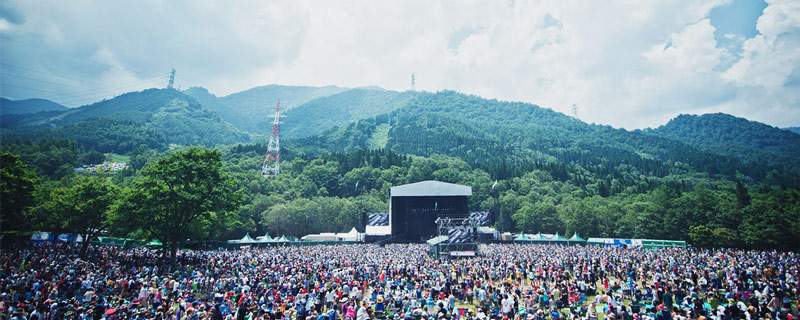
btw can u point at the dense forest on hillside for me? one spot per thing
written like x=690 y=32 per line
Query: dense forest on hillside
x=339 y=109
x=251 y=110
x=153 y=119
x=330 y=192
x=490 y=134
x=714 y=177
x=748 y=141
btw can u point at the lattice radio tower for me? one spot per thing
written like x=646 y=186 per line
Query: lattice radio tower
x=171 y=79
x=272 y=161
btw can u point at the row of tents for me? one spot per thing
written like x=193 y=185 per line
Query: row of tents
x=264 y=240
x=548 y=238
x=607 y=242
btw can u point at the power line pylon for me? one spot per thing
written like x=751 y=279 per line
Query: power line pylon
x=272 y=161
x=171 y=79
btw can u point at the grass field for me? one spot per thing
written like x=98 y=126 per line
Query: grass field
x=113 y=157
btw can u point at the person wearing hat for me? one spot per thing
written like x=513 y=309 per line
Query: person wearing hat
x=663 y=313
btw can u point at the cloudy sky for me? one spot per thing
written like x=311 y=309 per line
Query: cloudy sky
x=630 y=64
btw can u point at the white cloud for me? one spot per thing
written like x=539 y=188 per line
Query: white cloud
x=625 y=63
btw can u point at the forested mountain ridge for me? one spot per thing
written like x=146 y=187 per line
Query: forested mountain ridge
x=724 y=134
x=793 y=129
x=341 y=109
x=554 y=173
x=492 y=134
x=250 y=110
x=8 y=106
x=152 y=118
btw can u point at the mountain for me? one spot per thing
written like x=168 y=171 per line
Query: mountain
x=153 y=118
x=250 y=110
x=340 y=109
x=28 y=106
x=498 y=135
x=724 y=134
x=793 y=129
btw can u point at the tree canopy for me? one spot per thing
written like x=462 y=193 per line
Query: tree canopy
x=179 y=198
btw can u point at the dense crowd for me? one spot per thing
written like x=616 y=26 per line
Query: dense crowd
x=359 y=282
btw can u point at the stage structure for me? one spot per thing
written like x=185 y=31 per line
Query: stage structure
x=462 y=236
x=414 y=209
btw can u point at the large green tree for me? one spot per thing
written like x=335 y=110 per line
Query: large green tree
x=81 y=208
x=179 y=198
x=18 y=184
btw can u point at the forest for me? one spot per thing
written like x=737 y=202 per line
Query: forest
x=714 y=180
x=329 y=193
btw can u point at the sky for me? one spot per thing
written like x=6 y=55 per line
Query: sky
x=628 y=64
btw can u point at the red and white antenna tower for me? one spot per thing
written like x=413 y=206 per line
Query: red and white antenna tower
x=272 y=161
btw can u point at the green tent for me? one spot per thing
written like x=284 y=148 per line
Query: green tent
x=264 y=238
x=557 y=238
x=523 y=238
x=576 y=239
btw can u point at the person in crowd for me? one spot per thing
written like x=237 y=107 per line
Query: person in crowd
x=397 y=281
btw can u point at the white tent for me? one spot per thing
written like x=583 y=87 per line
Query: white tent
x=352 y=236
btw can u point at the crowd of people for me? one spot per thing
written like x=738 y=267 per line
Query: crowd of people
x=399 y=281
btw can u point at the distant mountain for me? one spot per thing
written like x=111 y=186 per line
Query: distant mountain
x=153 y=118
x=498 y=135
x=8 y=106
x=340 y=109
x=793 y=129
x=743 y=139
x=250 y=110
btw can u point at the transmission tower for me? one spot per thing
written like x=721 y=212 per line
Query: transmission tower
x=272 y=161
x=171 y=79
x=413 y=83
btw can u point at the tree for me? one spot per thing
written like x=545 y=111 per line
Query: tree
x=92 y=157
x=724 y=237
x=18 y=184
x=81 y=208
x=701 y=236
x=179 y=197
x=742 y=197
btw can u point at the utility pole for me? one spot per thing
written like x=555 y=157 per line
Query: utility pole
x=413 y=82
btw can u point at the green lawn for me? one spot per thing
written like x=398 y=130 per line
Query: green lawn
x=118 y=157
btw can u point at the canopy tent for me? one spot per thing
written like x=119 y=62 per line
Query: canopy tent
x=522 y=237
x=541 y=238
x=557 y=238
x=576 y=239
x=247 y=239
x=538 y=237
x=352 y=236
x=549 y=238
x=264 y=238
